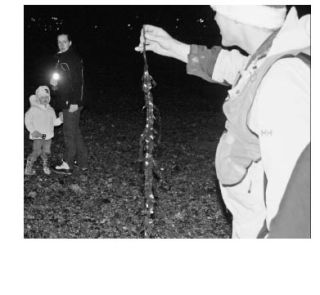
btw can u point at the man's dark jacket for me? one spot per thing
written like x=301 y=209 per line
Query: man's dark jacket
x=69 y=65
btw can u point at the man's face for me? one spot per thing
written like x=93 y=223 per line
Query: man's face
x=63 y=43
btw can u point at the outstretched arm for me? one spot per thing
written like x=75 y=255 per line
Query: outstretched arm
x=213 y=65
x=159 y=41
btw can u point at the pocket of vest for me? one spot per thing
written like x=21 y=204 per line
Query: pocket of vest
x=231 y=165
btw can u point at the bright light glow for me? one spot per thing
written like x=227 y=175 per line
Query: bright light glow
x=56 y=76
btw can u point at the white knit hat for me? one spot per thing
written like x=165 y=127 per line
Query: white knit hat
x=263 y=16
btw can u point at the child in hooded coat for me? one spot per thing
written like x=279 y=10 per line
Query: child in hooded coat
x=40 y=120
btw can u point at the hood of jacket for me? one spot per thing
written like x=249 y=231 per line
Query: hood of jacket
x=293 y=35
x=34 y=99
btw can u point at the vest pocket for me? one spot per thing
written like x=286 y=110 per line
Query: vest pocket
x=229 y=162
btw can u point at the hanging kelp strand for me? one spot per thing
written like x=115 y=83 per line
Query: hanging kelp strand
x=147 y=145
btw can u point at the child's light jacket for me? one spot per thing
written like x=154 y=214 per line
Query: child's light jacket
x=41 y=118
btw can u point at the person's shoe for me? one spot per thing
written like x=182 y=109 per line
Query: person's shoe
x=63 y=169
x=28 y=170
x=46 y=170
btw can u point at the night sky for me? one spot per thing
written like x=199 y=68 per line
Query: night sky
x=105 y=36
x=113 y=27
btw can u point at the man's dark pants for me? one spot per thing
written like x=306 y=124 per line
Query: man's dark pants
x=75 y=149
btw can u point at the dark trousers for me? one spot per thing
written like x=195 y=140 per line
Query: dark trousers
x=75 y=149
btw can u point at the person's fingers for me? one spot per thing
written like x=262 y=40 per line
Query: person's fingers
x=148 y=47
x=138 y=48
x=142 y=40
x=141 y=44
x=155 y=31
x=153 y=37
x=152 y=46
x=146 y=39
x=141 y=37
x=150 y=28
x=152 y=32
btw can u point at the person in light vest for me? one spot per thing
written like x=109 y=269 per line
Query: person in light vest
x=267 y=108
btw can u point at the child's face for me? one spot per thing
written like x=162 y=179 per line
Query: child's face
x=44 y=100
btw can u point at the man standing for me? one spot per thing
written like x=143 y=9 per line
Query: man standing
x=67 y=81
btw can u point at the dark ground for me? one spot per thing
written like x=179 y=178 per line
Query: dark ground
x=107 y=201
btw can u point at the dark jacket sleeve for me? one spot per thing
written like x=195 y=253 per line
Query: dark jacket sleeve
x=77 y=81
x=201 y=61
